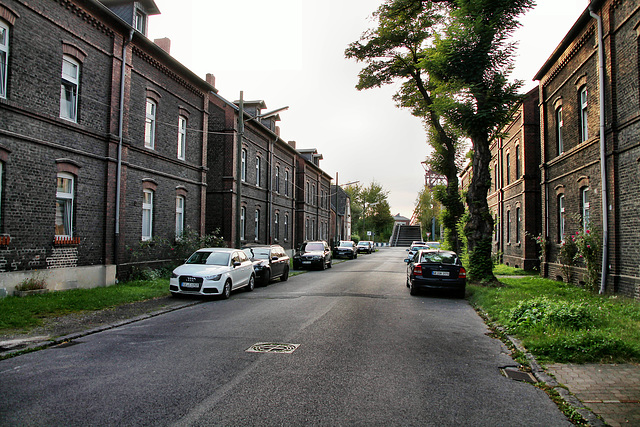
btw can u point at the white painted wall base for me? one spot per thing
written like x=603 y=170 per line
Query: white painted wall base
x=59 y=279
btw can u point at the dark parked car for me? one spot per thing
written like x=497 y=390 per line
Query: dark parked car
x=269 y=262
x=346 y=249
x=365 y=246
x=313 y=254
x=436 y=270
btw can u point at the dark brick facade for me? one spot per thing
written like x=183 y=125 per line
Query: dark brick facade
x=574 y=166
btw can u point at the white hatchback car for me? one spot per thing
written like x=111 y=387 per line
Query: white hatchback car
x=213 y=271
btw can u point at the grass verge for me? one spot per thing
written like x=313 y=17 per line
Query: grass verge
x=561 y=323
x=28 y=312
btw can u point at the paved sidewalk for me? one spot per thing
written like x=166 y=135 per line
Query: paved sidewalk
x=610 y=391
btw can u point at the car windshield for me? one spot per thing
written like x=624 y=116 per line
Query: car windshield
x=313 y=247
x=346 y=244
x=258 y=253
x=209 y=258
x=417 y=248
x=363 y=243
x=434 y=245
x=438 y=257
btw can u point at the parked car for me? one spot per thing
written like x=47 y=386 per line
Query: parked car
x=346 y=249
x=269 y=262
x=436 y=270
x=415 y=248
x=365 y=246
x=433 y=245
x=213 y=271
x=417 y=243
x=313 y=254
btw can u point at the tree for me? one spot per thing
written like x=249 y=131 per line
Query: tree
x=470 y=63
x=370 y=210
x=395 y=50
x=427 y=209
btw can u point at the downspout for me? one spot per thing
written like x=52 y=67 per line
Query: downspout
x=120 y=138
x=603 y=166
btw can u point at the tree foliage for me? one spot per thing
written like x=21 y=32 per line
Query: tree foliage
x=370 y=210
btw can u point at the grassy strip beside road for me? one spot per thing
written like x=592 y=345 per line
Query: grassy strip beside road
x=558 y=322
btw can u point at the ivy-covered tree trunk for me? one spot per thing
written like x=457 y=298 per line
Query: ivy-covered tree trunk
x=479 y=228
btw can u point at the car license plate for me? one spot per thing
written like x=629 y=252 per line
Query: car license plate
x=440 y=273
x=189 y=285
x=306 y=262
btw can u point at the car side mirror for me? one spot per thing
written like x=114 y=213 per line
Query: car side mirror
x=407 y=249
x=274 y=258
x=236 y=264
x=407 y=260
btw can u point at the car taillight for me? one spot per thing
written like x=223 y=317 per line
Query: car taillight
x=462 y=274
x=417 y=270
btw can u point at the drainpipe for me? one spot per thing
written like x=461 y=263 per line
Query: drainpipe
x=603 y=166
x=120 y=138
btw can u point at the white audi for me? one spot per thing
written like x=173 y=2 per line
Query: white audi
x=213 y=271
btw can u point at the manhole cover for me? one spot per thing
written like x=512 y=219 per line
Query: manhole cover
x=518 y=375
x=272 y=347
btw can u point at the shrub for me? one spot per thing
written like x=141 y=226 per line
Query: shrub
x=583 y=347
x=542 y=311
x=33 y=283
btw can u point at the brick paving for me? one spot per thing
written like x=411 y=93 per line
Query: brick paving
x=610 y=391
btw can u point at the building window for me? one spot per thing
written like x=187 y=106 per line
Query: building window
x=286 y=226
x=258 y=171
x=307 y=195
x=313 y=195
x=69 y=89
x=147 y=214
x=182 y=137
x=508 y=230
x=179 y=216
x=140 y=21
x=4 y=58
x=286 y=183
x=584 y=129
x=257 y=225
x=518 y=219
x=559 y=127
x=585 y=208
x=313 y=229
x=150 y=124
x=276 y=226
x=243 y=166
x=518 y=163
x=277 y=180
x=243 y=216
x=496 y=229
x=64 y=205
x=495 y=175
x=508 y=166
x=561 y=218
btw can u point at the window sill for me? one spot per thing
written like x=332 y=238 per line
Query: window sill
x=66 y=241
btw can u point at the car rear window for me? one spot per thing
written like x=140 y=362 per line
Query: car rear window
x=346 y=244
x=438 y=257
x=313 y=247
x=209 y=258
x=258 y=253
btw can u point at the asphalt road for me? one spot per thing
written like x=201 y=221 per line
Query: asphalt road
x=368 y=354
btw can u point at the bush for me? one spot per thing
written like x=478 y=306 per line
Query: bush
x=542 y=311
x=33 y=283
x=583 y=347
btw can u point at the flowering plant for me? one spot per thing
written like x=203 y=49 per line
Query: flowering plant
x=589 y=245
x=567 y=256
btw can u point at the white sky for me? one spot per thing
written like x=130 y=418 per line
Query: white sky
x=291 y=53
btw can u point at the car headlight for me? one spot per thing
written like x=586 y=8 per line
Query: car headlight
x=174 y=275
x=214 y=277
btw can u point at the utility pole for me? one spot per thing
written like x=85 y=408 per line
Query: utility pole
x=335 y=238
x=239 y=169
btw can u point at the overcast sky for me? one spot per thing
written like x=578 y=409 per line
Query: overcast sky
x=291 y=53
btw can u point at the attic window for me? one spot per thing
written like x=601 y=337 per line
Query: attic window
x=140 y=21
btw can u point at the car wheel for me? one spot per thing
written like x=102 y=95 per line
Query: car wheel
x=323 y=265
x=285 y=275
x=355 y=256
x=408 y=282
x=226 y=291
x=460 y=293
x=330 y=263
x=175 y=295
x=252 y=283
x=413 y=290
x=267 y=278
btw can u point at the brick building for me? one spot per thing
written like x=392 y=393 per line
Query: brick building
x=576 y=144
x=313 y=192
x=107 y=142
x=515 y=197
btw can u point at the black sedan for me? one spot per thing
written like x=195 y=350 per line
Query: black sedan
x=269 y=262
x=313 y=254
x=436 y=270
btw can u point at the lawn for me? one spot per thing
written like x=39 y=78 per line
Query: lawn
x=559 y=322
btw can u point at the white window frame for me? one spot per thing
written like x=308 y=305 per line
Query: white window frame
x=518 y=162
x=69 y=89
x=586 y=208
x=286 y=226
x=508 y=226
x=561 y=218
x=258 y=170
x=140 y=21
x=559 y=130
x=180 y=200
x=286 y=182
x=257 y=225
x=147 y=214
x=4 y=58
x=508 y=168
x=182 y=137
x=584 y=122
x=276 y=226
x=151 y=111
x=243 y=216
x=277 y=180
x=64 y=205
x=243 y=165
x=518 y=223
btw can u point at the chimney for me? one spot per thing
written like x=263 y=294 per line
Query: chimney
x=292 y=143
x=164 y=44
x=211 y=79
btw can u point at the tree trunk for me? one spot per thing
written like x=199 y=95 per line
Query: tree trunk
x=479 y=229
